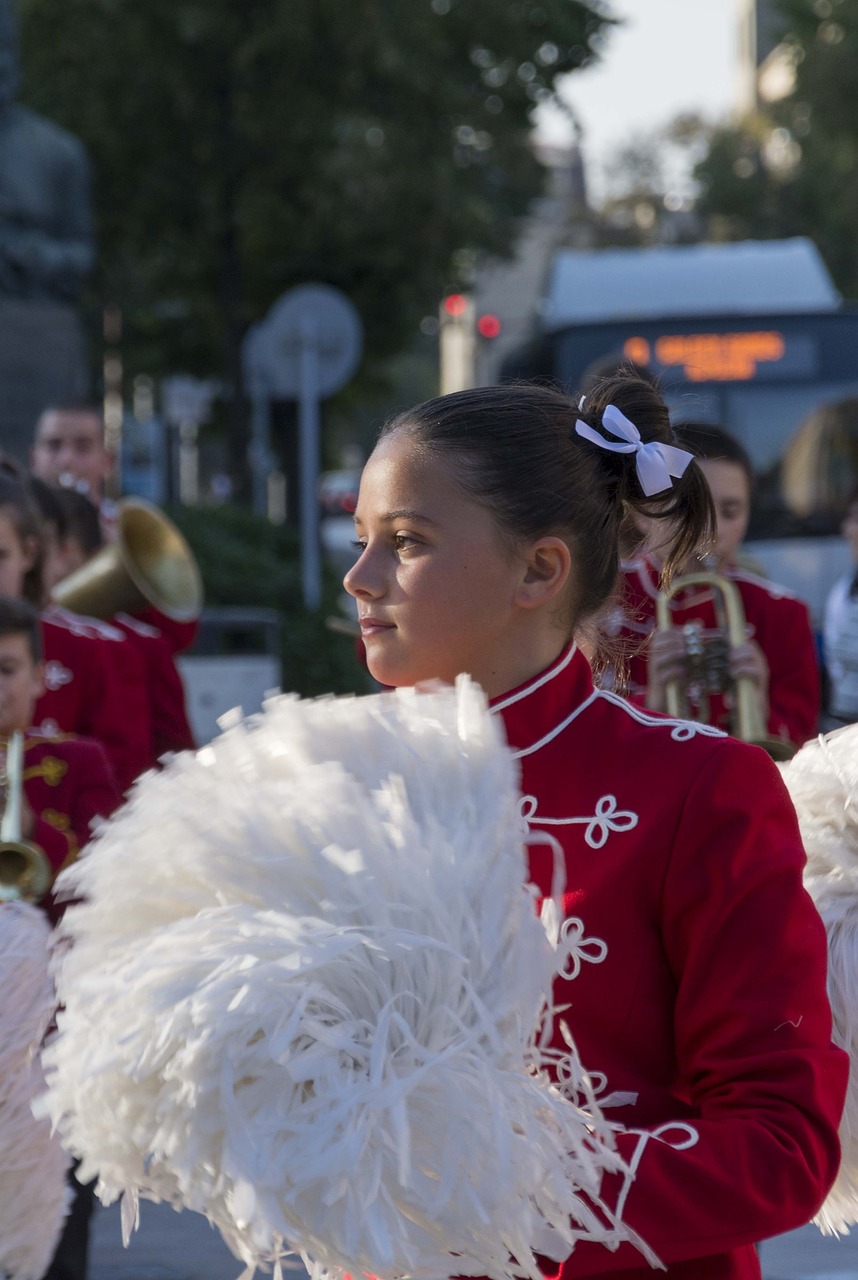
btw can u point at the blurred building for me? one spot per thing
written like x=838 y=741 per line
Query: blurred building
x=511 y=289
x=766 y=71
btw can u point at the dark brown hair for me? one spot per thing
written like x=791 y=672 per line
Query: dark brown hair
x=20 y=618
x=17 y=502
x=82 y=520
x=514 y=449
x=713 y=443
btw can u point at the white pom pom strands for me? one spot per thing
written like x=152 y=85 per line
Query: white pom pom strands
x=823 y=783
x=305 y=997
x=33 y=1193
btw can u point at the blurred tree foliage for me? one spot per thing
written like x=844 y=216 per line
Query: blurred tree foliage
x=243 y=146
x=792 y=167
x=244 y=559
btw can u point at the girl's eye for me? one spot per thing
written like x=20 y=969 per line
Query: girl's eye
x=358 y=545
x=403 y=541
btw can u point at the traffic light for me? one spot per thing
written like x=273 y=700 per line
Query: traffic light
x=457 y=343
x=489 y=326
x=456 y=305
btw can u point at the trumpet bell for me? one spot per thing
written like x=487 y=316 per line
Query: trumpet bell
x=25 y=873
x=150 y=563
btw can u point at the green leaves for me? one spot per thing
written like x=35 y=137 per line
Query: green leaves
x=243 y=146
x=792 y=168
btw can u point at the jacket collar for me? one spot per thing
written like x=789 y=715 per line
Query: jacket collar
x=538 y=709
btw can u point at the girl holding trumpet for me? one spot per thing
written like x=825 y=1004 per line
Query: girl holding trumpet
x=487 y=527
x=778 y=656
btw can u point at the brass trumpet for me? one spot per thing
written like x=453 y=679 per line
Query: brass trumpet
x=25 y=872
x=709 y=665
x=149 y=563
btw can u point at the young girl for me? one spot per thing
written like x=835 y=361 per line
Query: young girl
x=87 y=689
x=487 y=527
x=780 y=659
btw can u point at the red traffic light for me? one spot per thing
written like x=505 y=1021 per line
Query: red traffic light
x=488 y=326
x=455 y=304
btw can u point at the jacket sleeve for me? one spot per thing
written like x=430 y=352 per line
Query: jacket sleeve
x=90 y=792
x=794 y=690
x=115 y=708
x=179 y=635
x=752 y=1030
x=171 y=730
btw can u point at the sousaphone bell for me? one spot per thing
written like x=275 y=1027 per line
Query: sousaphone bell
x=148 y=564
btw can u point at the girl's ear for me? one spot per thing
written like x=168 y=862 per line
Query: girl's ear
x=547 y=567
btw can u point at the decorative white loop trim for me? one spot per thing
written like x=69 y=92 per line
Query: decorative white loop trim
x=574 y=948
x=691 y=1139
x=681 y=730
x=545 y=678
x=56 y=675
x=568 y=1073
x=556 y=731
x=606 y=819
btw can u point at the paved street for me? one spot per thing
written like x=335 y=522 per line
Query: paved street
x=173 y=1246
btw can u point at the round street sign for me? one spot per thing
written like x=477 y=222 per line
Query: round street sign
x=315 y=316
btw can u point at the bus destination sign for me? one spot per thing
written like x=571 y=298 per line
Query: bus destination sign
x=725 y=357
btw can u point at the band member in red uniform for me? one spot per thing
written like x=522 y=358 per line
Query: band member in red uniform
x=84 y=693
x=68 y=782
x=779 y=654
x=487 y=526
x=67 y=785
x=158 y=682
x=69 y=451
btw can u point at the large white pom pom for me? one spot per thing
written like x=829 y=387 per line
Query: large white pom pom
x=304 y=995
x=823 y=783
x=33 y=1191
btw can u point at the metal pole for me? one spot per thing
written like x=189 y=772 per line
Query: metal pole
x=308 y=436
x=259 y=451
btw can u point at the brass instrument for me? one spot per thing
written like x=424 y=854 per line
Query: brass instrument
x=24 y=870
x=149 y=563
x=709 y=662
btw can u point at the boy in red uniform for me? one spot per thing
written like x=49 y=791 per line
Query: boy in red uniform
x=69 y=451
x=67 y=780
x=779 y=655
x=157 y=683
x=67 y=786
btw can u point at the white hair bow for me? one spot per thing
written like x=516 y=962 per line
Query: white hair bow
x=655 y=463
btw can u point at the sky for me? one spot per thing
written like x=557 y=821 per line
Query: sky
x=669 y=56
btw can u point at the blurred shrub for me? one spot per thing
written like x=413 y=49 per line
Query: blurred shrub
x=246 y=560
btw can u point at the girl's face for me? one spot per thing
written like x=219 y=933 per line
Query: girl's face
x=438 y=590
x=731 y=494
x=16 y=556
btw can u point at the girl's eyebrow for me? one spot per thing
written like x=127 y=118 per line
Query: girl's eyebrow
x=404 y=513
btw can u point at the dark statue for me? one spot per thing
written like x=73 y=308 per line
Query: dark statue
x=46 y=256
x=46 y=243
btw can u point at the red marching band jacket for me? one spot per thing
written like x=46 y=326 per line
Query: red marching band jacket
x=696 y=968
x=170 y=728
x=95 y=687
x=68 y=783
x=777 y=621
x=116 y=682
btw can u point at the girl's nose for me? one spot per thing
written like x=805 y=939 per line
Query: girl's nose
x=360 y=580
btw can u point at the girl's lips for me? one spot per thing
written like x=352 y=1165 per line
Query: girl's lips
x=371 y=626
